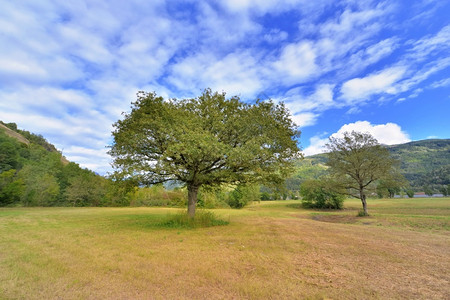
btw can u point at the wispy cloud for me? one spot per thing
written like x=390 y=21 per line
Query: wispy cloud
x=360 y=89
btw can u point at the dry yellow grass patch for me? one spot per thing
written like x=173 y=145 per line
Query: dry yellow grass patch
x=267 y=252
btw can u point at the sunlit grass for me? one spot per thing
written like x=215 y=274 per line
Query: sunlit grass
x=269 y=250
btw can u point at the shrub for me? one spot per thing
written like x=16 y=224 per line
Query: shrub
x=361 y=213
x=317 y=194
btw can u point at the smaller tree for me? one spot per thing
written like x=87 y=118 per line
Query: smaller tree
x=318 y=193
x=357 y=161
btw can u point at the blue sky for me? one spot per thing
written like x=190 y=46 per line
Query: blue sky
x=69 y=68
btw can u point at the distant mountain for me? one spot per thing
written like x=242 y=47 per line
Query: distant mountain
x=423 y=163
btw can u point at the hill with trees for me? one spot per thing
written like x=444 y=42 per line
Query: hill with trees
x=34 y=173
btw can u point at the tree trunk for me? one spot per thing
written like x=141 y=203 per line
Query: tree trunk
x=192 y=199
x=364 y=202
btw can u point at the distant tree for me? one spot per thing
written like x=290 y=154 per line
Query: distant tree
x=206 y=141
x=357 y=161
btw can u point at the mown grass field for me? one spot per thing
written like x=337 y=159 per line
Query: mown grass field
x=269 y=250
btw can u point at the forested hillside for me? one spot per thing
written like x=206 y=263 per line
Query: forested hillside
x=34 y=173
x=425 y=164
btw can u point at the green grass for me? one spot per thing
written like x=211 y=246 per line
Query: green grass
x=269 y=250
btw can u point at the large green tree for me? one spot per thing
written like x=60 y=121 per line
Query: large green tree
x=357 y=161
x=208 y=140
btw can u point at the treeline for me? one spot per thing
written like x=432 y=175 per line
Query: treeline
x=34 y=173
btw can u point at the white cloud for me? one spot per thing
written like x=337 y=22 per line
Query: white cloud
x=305 y=119
x=262 y=7
x=427 y=46
x=349 y=20
x=296 y=63
x=275 y=36
x=371 y=55
x=237 y=74
x=387 y=134
x=306 y=108
x=316 y=145
x=423 y=73
x=441 y=83
x=360 y=89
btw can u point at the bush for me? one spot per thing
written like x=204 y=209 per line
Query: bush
x=317 y=194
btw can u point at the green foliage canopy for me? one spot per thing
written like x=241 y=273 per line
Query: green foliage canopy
x=209 y=140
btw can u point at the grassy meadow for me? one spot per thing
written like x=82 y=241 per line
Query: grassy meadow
x=269 y=250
